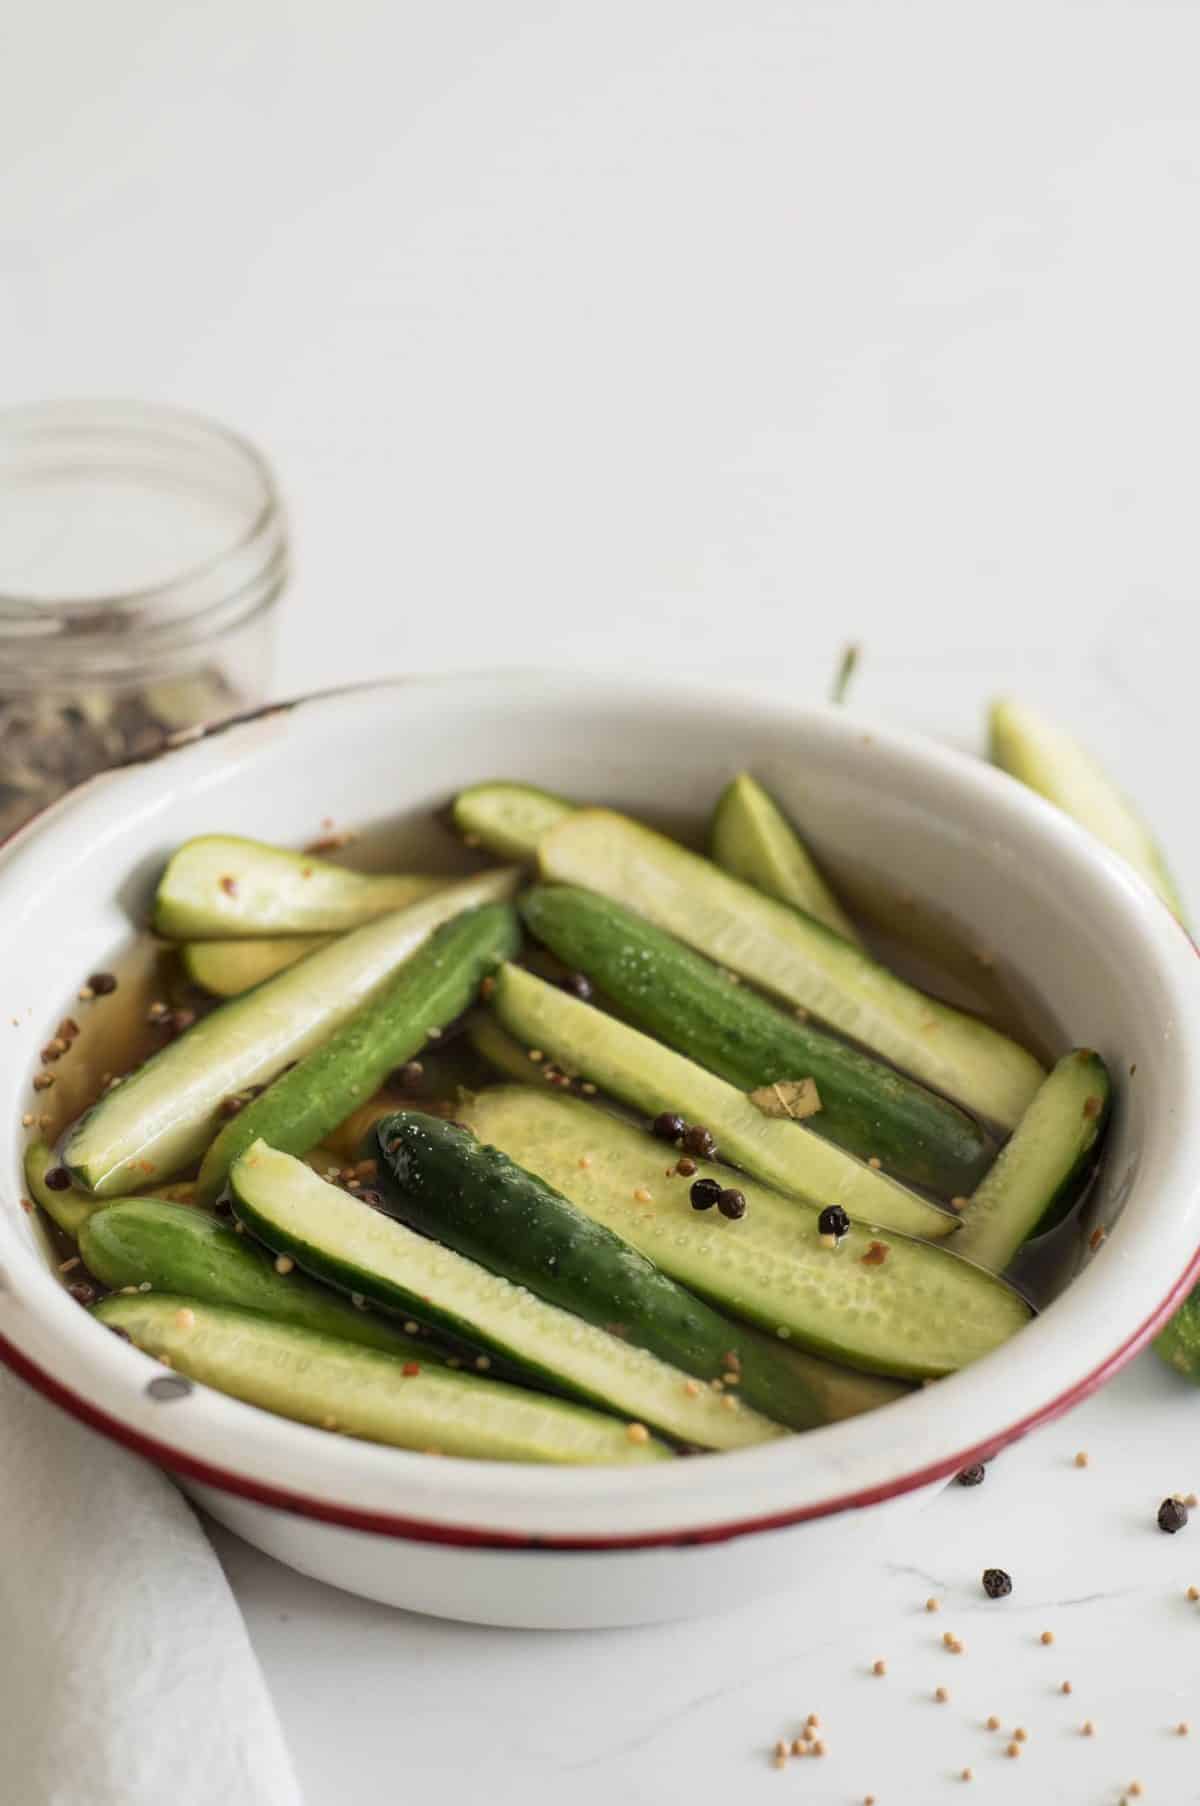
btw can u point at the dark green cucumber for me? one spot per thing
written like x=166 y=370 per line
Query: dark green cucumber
x=173 y=1248
x=437 y=1178
x=650 y=1078
x=1042 y=755
x=1037 y=1173
x=430 y=989
x=791 y=956
x=917 y=1312
x=163 y=1116
x=221 y=885
x=337 y=1385
x=670 y=992
x=335 y=1237
x=227 y=968
x=508 y=819
x=750 y=836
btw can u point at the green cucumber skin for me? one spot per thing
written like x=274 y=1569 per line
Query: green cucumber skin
x=430 y=989
x=679 y=997
x=163 y=1116
x=650 y=1078
x=507 y=818
x=293 y=1212
x=227 y=968
x=1179 y=1344
x=329 y=1383
x=174 y=1248
x=1039 y=1171
x=920 y=1314
x=750 y=836
x=221 y=886
x=791 y=956
x=439 y=1179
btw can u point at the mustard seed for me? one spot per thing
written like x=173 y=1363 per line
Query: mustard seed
x=1047 y=1637
x=968 y=1774
x=812 y=1721
x=781 y=1748
x=993 y=1723
x=637 y=1432
x=933 y=1605
x=942 y=1694
x=879 y=1667
x=1021 y=1734
x=1087 y=1728
x=1081 y=1459
x=1182 y=1728
x=1066 y=1687
x=284 y=1263
x=818 y=1748
x=1014 y=1749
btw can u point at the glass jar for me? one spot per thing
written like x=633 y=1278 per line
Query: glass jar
x=142 y=551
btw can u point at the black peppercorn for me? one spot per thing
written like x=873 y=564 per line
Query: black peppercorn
x=699 y=1141
x=102 y=983
x=1172 y=1515
x=704 y=1194
x=996 y=1583
x=578 y=984
x=732 y=1204
x=58 y=1179
x=669 y=1126
x=973 y=1475
x=833 y=1221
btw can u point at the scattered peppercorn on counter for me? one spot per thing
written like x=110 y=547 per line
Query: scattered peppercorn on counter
x=608 y=1154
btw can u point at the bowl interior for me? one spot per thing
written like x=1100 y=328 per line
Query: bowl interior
x=1064 y=928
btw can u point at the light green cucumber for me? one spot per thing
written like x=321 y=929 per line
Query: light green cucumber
x=1034 y=749
x=750 y=836
x=340 y=1386
x=163 y=1116
x=790 y=955
x=918 y=1312
x=508 y=819
x=173 y=1248
x=70 y=1208
x=651 y=1078
x=1037 y=1172
x=343 y=1241
x=433 y=986
x=227 y=968
x=220 y=885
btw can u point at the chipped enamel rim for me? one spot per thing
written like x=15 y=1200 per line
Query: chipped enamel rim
x=1126 y=1291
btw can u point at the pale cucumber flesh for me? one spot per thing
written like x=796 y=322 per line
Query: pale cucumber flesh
x=340 y=1387
x=220 y=885
x=751 y=838
x=227 y=968
x=1044 y=757
x=793 y=957
x=339 y=1239
x=920 y=1312
x=508 y=819
x=651 y=1078
x=1040 y=1163
x=163 y=1116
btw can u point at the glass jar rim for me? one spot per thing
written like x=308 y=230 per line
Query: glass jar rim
x=115 y=626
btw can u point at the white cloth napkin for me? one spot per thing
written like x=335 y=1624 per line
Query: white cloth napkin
x=126 y=1675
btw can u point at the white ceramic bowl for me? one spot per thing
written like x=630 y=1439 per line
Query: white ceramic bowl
x=529 y=1545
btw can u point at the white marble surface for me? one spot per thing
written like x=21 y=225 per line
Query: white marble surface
x=694 y=335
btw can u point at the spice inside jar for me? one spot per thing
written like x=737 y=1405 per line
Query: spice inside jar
x=142 y=551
